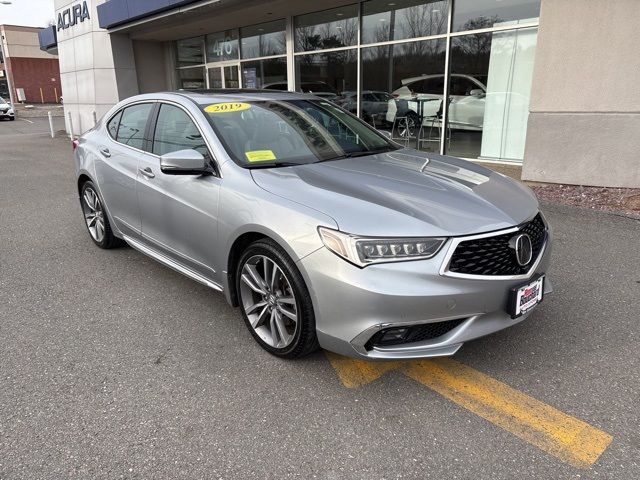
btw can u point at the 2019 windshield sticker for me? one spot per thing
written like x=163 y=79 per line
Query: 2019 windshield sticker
x=260 y=155
x=227 y=107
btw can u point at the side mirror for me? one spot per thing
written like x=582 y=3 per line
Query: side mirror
x=386 y=133
x=183 y=162
x=477 y=92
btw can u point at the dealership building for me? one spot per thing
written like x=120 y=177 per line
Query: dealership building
x=552 y=86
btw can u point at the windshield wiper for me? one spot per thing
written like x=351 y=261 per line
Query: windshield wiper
x=362 y=153
x=272 y=164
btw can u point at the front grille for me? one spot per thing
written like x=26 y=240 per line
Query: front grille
x=494 y=256
x=415 y=333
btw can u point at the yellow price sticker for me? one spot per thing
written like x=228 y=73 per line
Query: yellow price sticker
x=226 y=107
x=260 y=155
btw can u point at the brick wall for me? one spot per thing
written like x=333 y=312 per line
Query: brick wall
x=31 y=74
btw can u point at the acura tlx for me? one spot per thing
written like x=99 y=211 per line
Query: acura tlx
x=322 y=230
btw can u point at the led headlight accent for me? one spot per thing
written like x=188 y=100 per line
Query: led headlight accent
x=363 y=251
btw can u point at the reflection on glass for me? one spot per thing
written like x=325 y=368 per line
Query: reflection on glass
x=231 y=77
x=271 y=73
x=215 y=77
x=191 y=78
x=489 y=93
x=383 y=20
x=190 y=51
x=333 y=28
x=476 y=14
x=327 y=74
x=402 y=91
x=222 y=46
x=263 y=40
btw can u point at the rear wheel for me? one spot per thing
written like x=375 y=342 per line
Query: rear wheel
x=275 y=302
x=96 y=218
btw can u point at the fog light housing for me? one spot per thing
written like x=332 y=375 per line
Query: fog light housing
x=393 y=336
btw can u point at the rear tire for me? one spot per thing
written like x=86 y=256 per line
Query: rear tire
x=96 y=219
x=275 y=302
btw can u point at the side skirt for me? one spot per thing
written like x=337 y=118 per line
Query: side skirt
x=171 y=263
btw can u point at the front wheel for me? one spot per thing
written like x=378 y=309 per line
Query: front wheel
x=276 y=305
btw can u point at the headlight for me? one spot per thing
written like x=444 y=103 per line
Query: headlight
x=363 y=251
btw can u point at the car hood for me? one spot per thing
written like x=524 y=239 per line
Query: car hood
x=404 y=193
x=4 y=105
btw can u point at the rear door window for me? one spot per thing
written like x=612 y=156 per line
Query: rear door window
x=133 y=125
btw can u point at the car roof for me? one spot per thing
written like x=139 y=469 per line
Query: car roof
x=239 y=94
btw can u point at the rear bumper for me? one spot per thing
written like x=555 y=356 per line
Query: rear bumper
x=352 y=304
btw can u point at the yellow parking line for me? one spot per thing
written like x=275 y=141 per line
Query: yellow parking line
x=567 y=438
x=356 y=373
x=571 y=440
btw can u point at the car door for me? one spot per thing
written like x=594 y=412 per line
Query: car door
x=179 y=213
x=117 y=170
x=466 y=111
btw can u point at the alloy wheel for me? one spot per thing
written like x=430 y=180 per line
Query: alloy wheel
x=268 y=301
x=93 y=214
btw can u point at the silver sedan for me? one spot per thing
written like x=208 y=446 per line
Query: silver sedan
x=322 y=230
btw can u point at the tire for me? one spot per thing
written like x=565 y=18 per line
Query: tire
x=12 y=118
x=267 y=313
x=96 y=219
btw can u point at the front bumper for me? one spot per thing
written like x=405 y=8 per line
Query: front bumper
x=352 y=304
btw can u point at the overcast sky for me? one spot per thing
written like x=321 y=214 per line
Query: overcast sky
x=33 y=13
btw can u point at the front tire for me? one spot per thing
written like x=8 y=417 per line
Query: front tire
x=96 y=218
x=276 y=305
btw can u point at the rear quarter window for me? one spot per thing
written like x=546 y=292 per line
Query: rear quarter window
x=112 y=125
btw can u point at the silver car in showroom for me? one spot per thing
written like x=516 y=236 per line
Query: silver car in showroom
x=322 y=230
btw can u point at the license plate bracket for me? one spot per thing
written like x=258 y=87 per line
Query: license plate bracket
x=525 y=297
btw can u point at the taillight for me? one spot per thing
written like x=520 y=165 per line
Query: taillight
x=74 y=144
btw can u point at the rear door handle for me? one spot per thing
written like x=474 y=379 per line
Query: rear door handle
x=147 y=172
x=105 y=151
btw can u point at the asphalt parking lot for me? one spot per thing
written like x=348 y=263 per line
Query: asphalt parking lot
x=113 y=366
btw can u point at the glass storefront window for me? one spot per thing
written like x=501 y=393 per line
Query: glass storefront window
x=222 y=46
x=383 y=20
x=190 y=51
x=271 y=73
x=489 y=91
x=402 y=91
x=476 y=14
x=401 y=76
x=191 y=78
x=327 y=75
x=263 y=40
x=333 y=28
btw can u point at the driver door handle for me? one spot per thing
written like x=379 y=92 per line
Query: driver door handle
x=147 y=172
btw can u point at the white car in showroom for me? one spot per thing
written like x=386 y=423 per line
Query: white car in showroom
x=421 y=97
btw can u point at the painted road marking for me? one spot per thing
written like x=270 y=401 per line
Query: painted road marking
x=25 y=120
x=563 y=436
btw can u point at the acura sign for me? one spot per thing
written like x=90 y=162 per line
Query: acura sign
x=73 y=15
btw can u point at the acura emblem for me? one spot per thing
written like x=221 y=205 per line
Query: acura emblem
x=523 y=247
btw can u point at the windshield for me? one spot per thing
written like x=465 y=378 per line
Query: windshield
x=274 y=132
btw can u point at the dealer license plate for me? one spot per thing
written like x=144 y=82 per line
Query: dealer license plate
x=524 y=298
